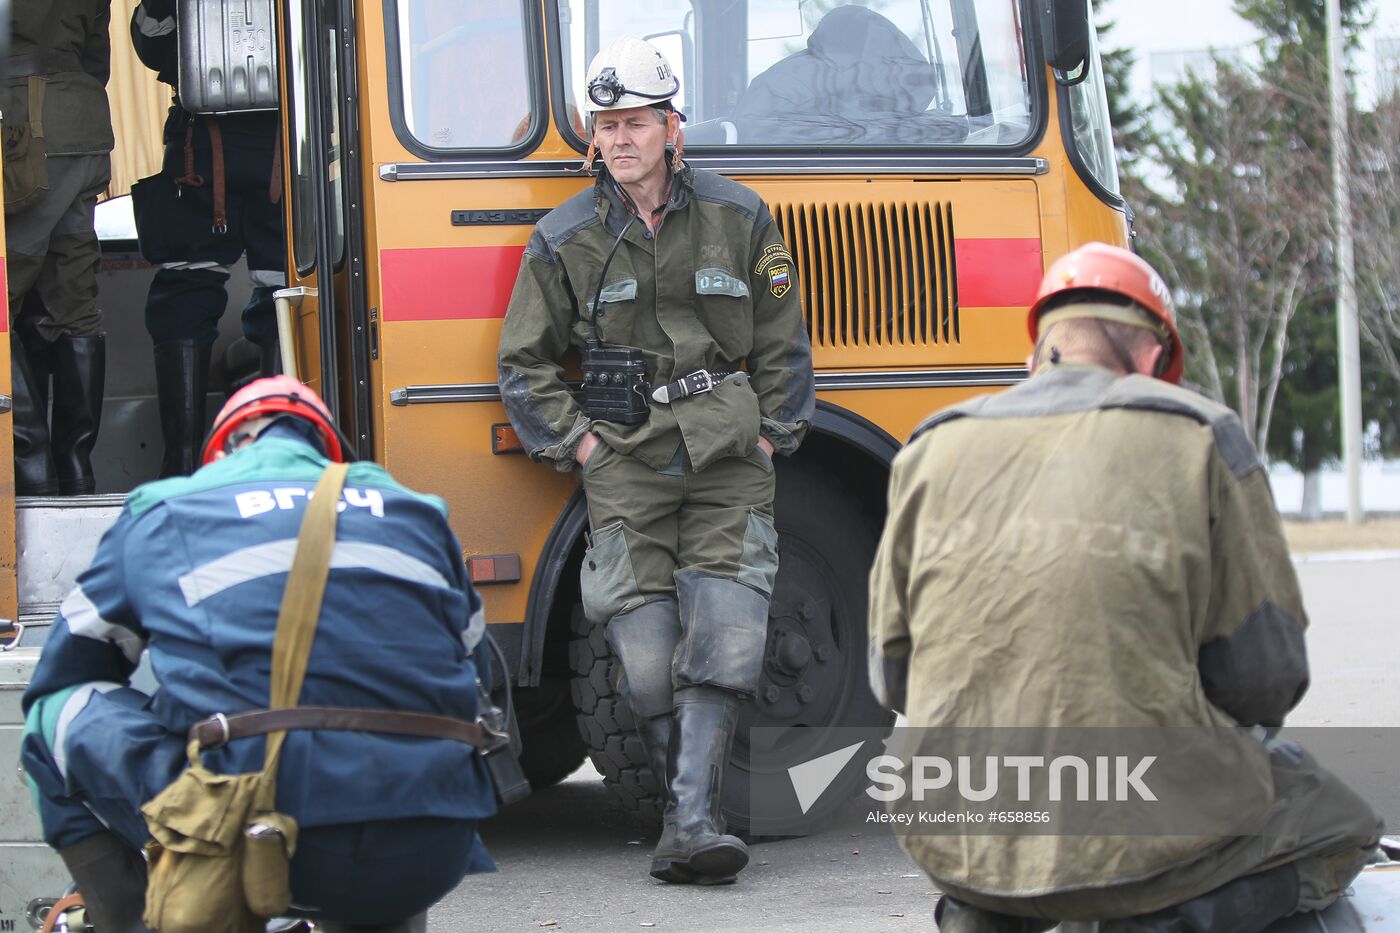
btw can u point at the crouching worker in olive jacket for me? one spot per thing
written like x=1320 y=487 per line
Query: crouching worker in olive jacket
x=1099 y=549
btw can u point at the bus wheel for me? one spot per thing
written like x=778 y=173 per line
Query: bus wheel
x=551 y=746
x=606 y=723
x=814 y=671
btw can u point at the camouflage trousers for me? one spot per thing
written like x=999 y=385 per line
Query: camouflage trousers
x=680 y=566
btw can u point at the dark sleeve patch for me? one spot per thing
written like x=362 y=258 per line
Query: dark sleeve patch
x=1260 y=671
x=539 y=247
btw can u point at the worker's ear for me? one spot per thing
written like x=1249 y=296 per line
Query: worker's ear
x=673 y=128
x=1155 y=360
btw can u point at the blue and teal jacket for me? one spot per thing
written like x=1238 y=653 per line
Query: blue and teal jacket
x=193 y=572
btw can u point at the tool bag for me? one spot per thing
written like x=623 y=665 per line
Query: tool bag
x=221 y=851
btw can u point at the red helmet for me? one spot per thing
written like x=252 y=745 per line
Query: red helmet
x=1113 y=269
x=269 y=396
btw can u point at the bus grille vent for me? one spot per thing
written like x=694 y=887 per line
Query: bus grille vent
x=874 y=273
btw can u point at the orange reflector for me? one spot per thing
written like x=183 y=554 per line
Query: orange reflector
x=494 y=568
x=504 y=440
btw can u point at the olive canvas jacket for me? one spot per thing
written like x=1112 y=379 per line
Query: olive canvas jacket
x=1086 y=550
x=715 y=289
x=67 y=42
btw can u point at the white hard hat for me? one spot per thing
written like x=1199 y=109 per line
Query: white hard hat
x=629 y=73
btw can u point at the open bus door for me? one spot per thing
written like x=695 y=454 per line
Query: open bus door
x=9 y=592
x=322 y=320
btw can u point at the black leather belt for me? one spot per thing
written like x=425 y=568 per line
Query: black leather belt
x=702 y=380
x=219 y=729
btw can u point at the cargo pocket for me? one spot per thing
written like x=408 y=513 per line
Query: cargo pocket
x=758 y=565
x=607 y=581
x=616 y=312
x=26 y=162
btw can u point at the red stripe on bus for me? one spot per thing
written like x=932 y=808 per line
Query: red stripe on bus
x=999 y=273
x=451 y=284
x=4 y=297
x=475 y=282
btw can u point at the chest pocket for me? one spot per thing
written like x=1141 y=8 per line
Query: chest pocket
x=725 y=307
x=617 y=307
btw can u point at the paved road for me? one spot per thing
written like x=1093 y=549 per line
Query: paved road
x=569 y=856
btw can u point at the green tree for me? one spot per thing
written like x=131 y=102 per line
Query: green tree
x=1128 y=119
x=1243 y=224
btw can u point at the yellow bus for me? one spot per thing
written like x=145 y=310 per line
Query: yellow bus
x=924 y=159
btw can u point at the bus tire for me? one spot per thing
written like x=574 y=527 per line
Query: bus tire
x=551 y=747
x=605 y=722
x=814 y=671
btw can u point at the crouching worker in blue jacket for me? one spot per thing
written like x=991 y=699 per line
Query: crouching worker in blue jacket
x=194 y=572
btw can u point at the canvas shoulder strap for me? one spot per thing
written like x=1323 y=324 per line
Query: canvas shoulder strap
x=301 y=602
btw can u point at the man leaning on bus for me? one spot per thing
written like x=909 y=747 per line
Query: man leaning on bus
x=677 y=289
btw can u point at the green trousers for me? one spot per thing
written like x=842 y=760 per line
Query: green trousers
x=680 y=566
x=51 y=245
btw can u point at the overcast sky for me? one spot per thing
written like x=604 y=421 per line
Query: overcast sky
x=1149 y=26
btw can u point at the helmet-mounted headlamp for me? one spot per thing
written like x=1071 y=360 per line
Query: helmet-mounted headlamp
x=607 y=89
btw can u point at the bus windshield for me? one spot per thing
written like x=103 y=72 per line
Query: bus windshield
x=805 y=73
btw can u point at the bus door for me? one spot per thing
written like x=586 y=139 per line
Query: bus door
x=9 y=598
x=322 y=316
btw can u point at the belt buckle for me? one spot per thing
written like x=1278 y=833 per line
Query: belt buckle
x=700 y=381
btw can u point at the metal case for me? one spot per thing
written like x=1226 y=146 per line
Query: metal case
x=228 y=55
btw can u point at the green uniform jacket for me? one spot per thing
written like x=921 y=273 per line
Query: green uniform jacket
x=67 y=42
x=714 y=289
x=1088 y=550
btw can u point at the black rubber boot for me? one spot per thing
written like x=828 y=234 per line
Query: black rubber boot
x=111 y=877
x=79 y=374
x=954 y=916
x=34 y=469
x=655 y=734
x=40 y=351
x=182 y=374
x=694 y=847
x=1245 y=905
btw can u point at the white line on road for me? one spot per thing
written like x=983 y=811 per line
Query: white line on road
x=1325 y=557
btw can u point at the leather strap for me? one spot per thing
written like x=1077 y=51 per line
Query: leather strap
x=217 y=730
x=702 y=380
x=193 y=179
x=216 y=149
x=190 y=178
x=274 y=186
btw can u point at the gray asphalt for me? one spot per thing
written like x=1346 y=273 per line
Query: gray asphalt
x=571 y=861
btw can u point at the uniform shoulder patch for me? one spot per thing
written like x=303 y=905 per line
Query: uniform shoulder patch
x=772 y=253
x=709 y=186
x=1147 y=394
x=568 y=218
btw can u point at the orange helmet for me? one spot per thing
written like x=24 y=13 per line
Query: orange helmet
x=273 y=395
x=1113 y=269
